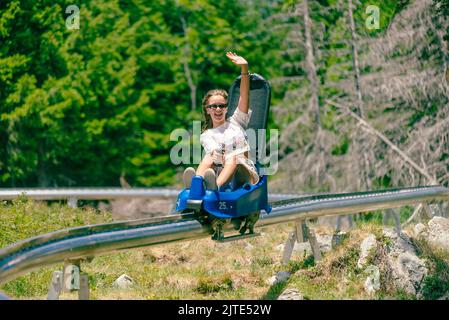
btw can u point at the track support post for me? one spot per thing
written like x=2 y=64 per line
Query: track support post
x=391 y=213
x=340 y=219
x=301 y=233
x=55 y=288
x=288 y=248
x=427 y=210
x=69 y=280
x=297 y=235
x=313 y=242
x=72 y=202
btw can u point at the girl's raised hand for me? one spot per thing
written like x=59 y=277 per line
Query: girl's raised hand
x=238 y=60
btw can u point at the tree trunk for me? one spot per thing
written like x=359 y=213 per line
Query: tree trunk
x=380 y=135
x=355 y=60
x=42 y=176
x=310 y=65
x=185 y=63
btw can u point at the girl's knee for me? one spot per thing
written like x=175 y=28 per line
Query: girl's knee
x=208 y=160
x=231 y=161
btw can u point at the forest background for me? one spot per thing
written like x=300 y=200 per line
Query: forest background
x=357 y=108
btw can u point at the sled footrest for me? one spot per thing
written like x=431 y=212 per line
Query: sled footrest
x=239 y=237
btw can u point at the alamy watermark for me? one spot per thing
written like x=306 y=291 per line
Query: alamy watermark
x=373 y=20
x=188 y=149
x=72 y=22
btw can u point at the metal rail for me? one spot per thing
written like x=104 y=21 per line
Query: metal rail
x=102 y=193
x=4 y=296
x=88 y=241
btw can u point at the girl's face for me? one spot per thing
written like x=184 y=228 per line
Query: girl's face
x=217 y=109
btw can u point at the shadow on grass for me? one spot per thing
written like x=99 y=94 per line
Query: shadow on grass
x=275 y=291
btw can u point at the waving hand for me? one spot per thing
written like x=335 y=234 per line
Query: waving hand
x=238 y=60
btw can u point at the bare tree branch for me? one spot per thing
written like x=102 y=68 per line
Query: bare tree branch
x=386 y=140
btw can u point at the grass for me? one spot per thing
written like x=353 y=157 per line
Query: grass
x=335 y=276
x=23 y=219
x=204 y=269
x=436 y=283
x=201 y=269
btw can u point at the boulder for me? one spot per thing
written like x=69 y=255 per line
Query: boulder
x=438 y=232
x=123 y=282
x=280 y=277
x=372 y=282
x=338 y=238
x=407 y=270
x=325 y=241
x=366 y=247
x=291 y=294
x=249 y=247
x=420 y=230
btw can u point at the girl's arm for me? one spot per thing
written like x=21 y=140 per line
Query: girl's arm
x=244 y=82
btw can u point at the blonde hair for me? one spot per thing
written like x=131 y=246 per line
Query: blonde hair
x=207 y=118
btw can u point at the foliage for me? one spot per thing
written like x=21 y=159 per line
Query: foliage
x=436 y=283
x=84 y=107
x=402 y=96
x=22 y=219
x=25 y=218
x=209 y=285
x=200 y=269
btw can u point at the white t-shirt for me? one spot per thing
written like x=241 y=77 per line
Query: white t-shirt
x=230 y=137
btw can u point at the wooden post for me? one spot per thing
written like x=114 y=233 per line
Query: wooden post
x=71 y=276
x=83 y=293
x=427 y=210
x=297 y=235
x=72 y=202
x=313 y=243
x=288 y=248
x=55 y=286
x=340 y=219
x=299 y=231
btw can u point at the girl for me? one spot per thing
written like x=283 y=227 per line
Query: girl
x=225 y=142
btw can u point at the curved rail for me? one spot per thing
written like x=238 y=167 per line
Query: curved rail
x=87 y=241
x=102 y=193
x=4 y=296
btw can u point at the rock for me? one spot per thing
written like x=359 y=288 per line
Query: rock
x=325 y=241
x=438 y=232
x=303 y=248
x=337 y=238
x=407 y=270
x=291 y=294
x=272 y=281
x=280 y=277
x=249 y=247
x=366 y=247
x=280 y=247
x=420 y=230
x=123 y=282
x=372 y=282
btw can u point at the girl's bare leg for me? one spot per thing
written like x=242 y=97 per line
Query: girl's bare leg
x=242 y=176
x=228 y=171
x=205 y=164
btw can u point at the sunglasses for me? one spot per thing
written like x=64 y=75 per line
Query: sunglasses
x=217 y=106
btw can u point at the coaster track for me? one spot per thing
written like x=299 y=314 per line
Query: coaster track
x=102 y=193
x=89 y=241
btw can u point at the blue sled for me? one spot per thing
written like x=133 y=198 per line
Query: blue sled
x=229 y=204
